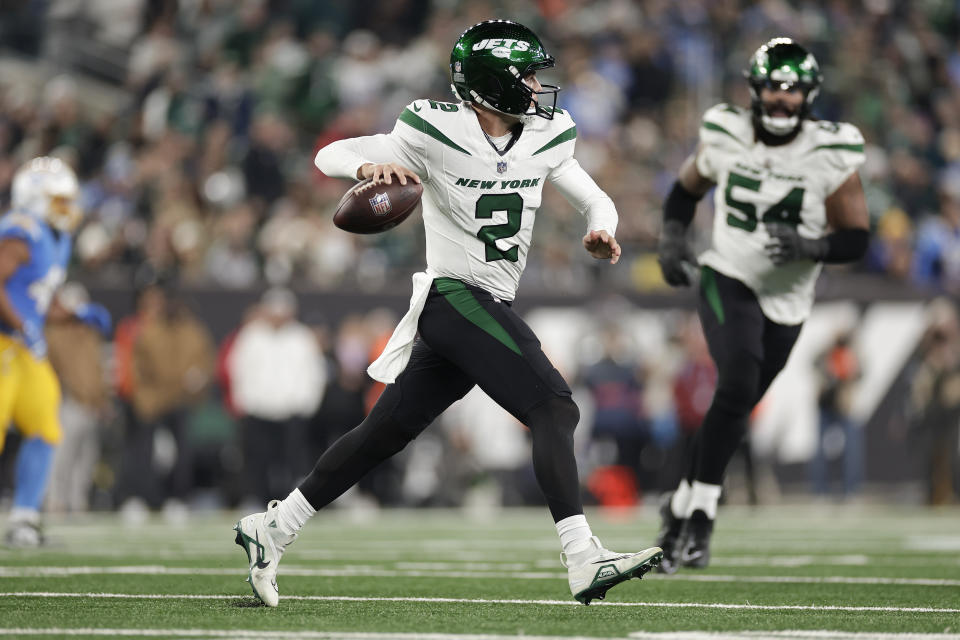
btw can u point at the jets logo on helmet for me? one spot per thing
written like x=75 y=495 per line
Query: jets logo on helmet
x=782 y=64
x=490 y=62
x=47 y=188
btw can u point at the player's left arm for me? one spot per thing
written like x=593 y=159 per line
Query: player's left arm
x=847 y=215
x=579 y=189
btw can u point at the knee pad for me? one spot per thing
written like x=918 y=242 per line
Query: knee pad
x=560 y=413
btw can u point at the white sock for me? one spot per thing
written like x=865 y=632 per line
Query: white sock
x=293 y=512
x=575 y=534
x=680 y=500
x=25 y=514
x=704 y=497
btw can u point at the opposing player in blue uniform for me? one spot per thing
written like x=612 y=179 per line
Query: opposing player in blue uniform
x=34 y=252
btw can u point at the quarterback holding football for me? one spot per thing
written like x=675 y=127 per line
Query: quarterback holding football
x=788 y=199
x=483 y=162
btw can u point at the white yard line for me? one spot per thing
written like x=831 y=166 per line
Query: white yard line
x=373 y=635
x=278 y=635
x=563 y=603
x=355 y=571
x=789 y=635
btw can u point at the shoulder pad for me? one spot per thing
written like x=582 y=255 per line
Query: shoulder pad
x=726 y=124
x=554 y=132
x=19 y=225
x=433 y=109
x=837 y=145
x=834 y=136
x=438 y=120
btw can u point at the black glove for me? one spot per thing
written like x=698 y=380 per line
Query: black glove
x=676 y=259
x=787 y=245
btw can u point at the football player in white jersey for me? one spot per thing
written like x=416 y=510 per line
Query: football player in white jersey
x=483 y=162
x=788 y=199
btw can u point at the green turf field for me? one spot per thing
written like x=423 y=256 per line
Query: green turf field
x=797 y=572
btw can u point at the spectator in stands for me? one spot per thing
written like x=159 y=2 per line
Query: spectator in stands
x=935 y=402
x=936 y=262
x=75 y=350
x=277 y=382
x=839 y=435
x=173 y=360
x=693 y=389
x=616 y=385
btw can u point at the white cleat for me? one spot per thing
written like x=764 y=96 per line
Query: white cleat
x=261 y=539
x=592 y=572
x=24 y=535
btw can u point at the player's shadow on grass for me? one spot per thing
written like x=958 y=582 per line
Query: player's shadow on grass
x=245 y=603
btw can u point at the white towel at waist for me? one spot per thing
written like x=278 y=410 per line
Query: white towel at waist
x=396 y=354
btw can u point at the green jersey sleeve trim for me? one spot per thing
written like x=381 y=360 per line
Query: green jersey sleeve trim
x=418 y=123
x=712 y=126
x=569 y=134
x=462 y=299
x=856 y=148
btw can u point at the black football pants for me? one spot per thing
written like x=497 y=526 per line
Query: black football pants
x=749 y=350
x=467 y=338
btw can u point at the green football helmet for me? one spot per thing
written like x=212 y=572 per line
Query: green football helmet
x=781 y=63
x=489 y=63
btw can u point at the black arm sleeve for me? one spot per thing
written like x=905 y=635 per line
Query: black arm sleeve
x=680 y=205
x=845 y=245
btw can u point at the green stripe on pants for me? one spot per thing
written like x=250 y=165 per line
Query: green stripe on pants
x=709 y=284
x=467 y=305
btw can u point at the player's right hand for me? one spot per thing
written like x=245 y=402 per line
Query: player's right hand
x=676 y=258
x=385 y=172
x=33 y=338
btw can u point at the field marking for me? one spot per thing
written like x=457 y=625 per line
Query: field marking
x=374 y=635
x=480 y=558
x=805 y=634
x=564 y=603
x=358 y=571
x=279 y=635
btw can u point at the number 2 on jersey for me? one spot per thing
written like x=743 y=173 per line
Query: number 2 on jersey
x=786 y=211
x=512 y=203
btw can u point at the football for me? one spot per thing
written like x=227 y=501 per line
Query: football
x=373 y=208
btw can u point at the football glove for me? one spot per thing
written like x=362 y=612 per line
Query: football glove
x=32 y=336
x=95 y=315
x=787 y=245
x=677 y=261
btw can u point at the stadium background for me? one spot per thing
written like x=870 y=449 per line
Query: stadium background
x=193 y=124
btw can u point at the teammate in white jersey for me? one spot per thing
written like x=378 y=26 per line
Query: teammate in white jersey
x=483 y=162
x=788 y=198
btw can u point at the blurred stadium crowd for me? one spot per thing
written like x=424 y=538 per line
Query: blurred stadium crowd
x=201 y=165
x=193 y=124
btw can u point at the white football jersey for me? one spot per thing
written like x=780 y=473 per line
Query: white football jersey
x=759 y=184
x=479 y=207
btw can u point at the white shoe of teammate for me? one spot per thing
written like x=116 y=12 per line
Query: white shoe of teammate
x=592 y=572
x=264 y=543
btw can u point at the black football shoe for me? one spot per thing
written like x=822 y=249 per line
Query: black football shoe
x=694 y=548
x=669 y=536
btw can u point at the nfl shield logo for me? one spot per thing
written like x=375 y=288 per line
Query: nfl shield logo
x=456 y=66
x=380 y=203
x=502 y=166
